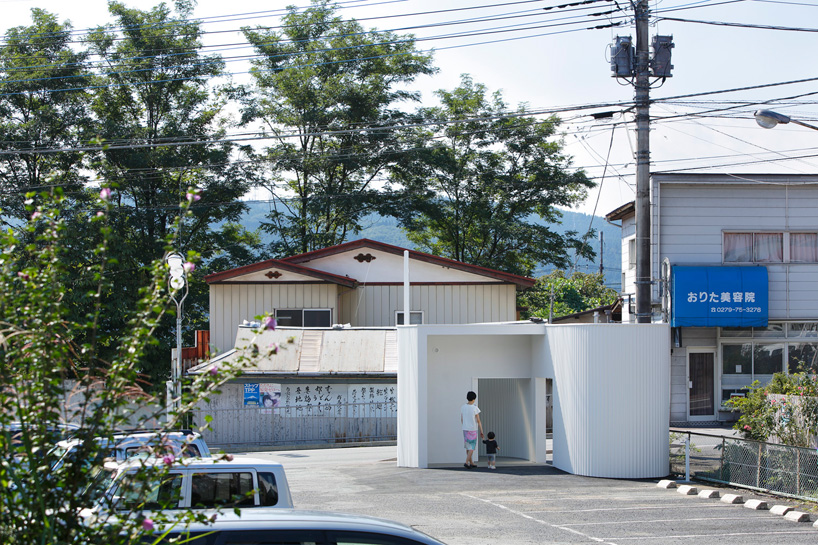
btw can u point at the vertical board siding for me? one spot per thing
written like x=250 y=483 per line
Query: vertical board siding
x=501 y=403
x=375 y=306
x=611 y=406
x=233 y=303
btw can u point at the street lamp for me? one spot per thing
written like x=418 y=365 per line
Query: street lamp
x=177 y=281
x=769 y=119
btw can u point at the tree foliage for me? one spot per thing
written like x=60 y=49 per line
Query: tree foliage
x=320 y=86
x=480 y=177
x=154 y=94
x=53 y=371
x=572 y=294
x=43 y=104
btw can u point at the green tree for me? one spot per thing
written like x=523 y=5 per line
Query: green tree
x=320 y=84
x=572 y=294
x=52 y=370
x=156 y=112
x=480 y=177
x=43 y=104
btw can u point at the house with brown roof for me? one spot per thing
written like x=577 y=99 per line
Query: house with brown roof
x=359 y=283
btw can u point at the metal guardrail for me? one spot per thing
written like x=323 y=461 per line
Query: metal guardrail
x=299 y=425
x=776 y=469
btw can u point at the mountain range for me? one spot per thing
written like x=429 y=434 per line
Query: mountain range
x=386 y=229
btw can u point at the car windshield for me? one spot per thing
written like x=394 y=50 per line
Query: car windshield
x=100 y=480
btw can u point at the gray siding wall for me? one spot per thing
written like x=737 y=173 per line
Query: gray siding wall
x=375 y=306
x=692 y=218
x=692 y=337
x=230 y=304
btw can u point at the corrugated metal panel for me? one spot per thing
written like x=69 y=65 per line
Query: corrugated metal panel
x=506 y=409
x=375 y=306
x=390 y=352
x=311 y=344
x=353 y=351
x=611 y=407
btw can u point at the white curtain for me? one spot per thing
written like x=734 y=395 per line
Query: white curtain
x=738 y=247
x=804 y=247
x=769 y=247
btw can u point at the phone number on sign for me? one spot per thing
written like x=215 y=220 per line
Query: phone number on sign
x=735 y=309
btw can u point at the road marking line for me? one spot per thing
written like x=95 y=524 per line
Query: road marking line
x=646 y=521
x=668 y=506
x=691 y=536
x=529 y=517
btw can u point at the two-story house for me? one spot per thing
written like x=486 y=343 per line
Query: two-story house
x=734 y=261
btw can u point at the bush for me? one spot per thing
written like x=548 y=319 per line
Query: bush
x=49 y=378
x=792 y=420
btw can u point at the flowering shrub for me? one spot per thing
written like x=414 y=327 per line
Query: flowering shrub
x=785 y=410
x=48 y=377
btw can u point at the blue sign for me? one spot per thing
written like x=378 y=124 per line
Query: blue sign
x=719 y=297
x=251 y=394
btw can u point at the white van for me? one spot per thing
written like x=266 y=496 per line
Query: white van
x=193 y=483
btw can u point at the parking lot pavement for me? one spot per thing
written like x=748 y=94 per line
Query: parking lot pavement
x=524 y=503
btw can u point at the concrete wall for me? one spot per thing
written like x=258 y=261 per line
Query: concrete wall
x=611 y=387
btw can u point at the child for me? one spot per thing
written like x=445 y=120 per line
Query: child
x=491 y=450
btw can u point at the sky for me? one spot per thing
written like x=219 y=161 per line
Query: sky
x=554 y=61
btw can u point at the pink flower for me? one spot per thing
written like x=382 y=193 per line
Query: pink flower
x=269 y=323
x=36 y=215
x=189 y=267
x=168 y=459
x=228 y=457
x=213 y=517
x=214 y=370
x=105 y=194
x=24 y=276
x=746 y=427
x=147 y=524
x=274 y=348
x=100 y=214
x=193 y=197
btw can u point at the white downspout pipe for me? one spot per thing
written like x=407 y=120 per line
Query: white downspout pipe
x=406 y=298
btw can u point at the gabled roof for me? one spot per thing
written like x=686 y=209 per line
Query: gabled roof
x=279 y=264
x=521 y=281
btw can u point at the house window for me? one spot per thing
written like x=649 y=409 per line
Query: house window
x=804 y=247
x=756 y=353
x=415 y=317
x=771 y=247
x=632 y=253
x=306 y=317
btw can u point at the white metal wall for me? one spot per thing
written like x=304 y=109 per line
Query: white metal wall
x=611 y=393
x=611 y=399
x=230 y=304
x=375 y=306
x=506 y=407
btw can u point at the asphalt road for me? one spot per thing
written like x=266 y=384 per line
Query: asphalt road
x=525 y=503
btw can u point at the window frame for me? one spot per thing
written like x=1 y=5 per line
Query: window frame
x=303 y=312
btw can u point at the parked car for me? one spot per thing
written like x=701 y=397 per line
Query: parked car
x=182 y=443
x=191 y=483
x=290 y=526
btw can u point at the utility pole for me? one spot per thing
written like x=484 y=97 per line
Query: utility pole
x=601 y=253
x=643 y=217
x=637 y=67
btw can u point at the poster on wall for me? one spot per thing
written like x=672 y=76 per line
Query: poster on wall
x=269 y=396
x=251 y=396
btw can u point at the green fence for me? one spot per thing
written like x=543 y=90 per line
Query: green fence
x=777 y=469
